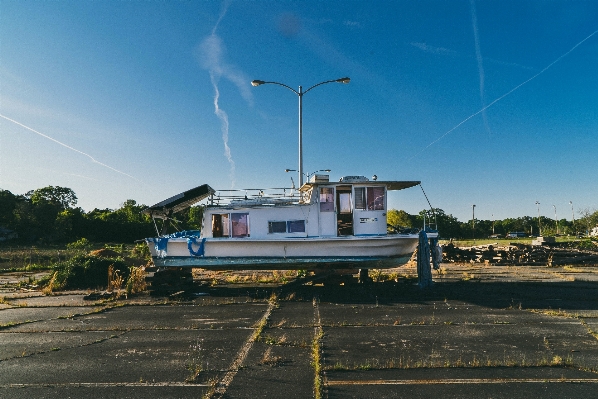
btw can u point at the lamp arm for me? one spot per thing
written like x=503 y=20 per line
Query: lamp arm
x=283 y=85
x=321 y=83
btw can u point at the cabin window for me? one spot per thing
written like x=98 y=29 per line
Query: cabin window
x=220 y=225
x=344 y=200
x=326 y=199
x=290 y=226
x=296 y=226
x=240 y=224
x=360 y=198
x=306 y=196
x=375 y=198
x=277 y=227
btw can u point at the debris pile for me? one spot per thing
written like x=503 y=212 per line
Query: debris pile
x=519 y=254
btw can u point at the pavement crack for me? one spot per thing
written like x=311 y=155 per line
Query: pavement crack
x=54 y=349
x=317 y=350
x=221 y=387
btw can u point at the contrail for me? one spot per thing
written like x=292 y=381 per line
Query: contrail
x=211 y=56
x=70 y=148
x=478 y=53
x=506 y=94
x=222 y=115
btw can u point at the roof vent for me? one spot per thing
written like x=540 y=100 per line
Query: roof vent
x=319 y=179
x=353 y=179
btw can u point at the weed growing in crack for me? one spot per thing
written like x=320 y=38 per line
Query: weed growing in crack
x=317 y=362
x=269 y=359
x=195 y=360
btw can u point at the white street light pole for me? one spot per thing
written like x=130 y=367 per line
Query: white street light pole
x=300 y=93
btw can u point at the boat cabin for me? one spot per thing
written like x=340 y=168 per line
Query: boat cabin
x=354 y=206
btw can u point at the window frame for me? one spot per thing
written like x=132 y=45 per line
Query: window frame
x=289 y=226
x=328 y=204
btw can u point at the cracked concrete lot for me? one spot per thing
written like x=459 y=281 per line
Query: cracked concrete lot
x=480 y=331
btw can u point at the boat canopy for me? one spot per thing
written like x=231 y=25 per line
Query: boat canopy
x=179 y=202
x=390 y=185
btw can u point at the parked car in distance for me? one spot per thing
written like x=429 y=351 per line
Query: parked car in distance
x=516 y=234
x=495 y=236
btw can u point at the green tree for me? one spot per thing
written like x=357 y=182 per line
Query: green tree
x=399 y=218
x=447 y=225
x=8 y=204
x=60 y=196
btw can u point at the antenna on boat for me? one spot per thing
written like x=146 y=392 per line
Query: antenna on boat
x=292 y=181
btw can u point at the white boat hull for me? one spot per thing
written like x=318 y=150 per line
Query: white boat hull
x=296 y=253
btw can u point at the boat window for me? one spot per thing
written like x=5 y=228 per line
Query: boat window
x=240 y=224
x=306 y=196
x=220 y=225
x=290 y=226
x=296 y=226
x=326 y=199
x=375 y=196
x=359 y=197
x=277 y=227
x=345 y=202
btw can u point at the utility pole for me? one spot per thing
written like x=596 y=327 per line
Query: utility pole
x=556 y=220
x=473 y=222
x=573 y=217
x=539 y=223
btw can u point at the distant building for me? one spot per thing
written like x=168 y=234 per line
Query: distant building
x=594 y=232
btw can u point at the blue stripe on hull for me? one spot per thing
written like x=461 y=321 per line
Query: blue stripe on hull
x=282 y=263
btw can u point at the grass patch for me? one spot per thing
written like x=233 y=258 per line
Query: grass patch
x=436 y=361
x=84 y=272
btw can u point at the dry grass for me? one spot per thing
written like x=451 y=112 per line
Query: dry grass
x=269 y=359
x=136 y=282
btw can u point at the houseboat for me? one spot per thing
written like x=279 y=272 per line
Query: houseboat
x=323 y=224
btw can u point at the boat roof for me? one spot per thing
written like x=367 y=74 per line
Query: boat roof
x=390 y=184
x=186 y=199
x=180 y=201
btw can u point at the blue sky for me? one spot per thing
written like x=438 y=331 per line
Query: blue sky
x=128 y=100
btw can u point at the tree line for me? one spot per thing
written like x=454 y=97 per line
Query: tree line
x=450 y=227
x=49 y=215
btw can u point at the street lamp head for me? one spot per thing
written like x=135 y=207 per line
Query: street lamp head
x=343 y=80
x=257 y=82
x=290 y=170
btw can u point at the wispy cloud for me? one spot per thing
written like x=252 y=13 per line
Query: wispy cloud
x=506 y=94
x=434 y=50
x=448 y=52
x=478 y=54
x=211 y=55
x=354 y=24
x=69 y=147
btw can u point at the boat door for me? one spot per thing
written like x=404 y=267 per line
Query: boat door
x=344 y=211
x=327 y=214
